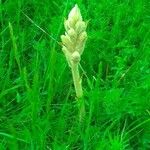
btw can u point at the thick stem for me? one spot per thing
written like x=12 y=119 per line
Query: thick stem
x=77 y=80
x=79 y=91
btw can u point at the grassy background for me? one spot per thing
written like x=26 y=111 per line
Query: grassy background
x=38 y=110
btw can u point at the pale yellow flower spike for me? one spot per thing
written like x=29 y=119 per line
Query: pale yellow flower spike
x=73 y=44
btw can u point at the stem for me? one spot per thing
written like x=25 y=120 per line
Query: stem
x=79 y=91
x=76 y=80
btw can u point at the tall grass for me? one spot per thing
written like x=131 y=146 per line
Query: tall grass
x=37 y=107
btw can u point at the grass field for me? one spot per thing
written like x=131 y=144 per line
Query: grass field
x=38 y=108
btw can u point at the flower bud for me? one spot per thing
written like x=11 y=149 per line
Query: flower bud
x=72 y=34
x=80 y=26
x=75 y=13
x=75 y=57
x=82 y=37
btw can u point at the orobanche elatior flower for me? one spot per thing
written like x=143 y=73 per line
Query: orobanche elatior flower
x=75 y=36
x=73 y=43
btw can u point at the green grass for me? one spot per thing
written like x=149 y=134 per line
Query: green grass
x=38 y=109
